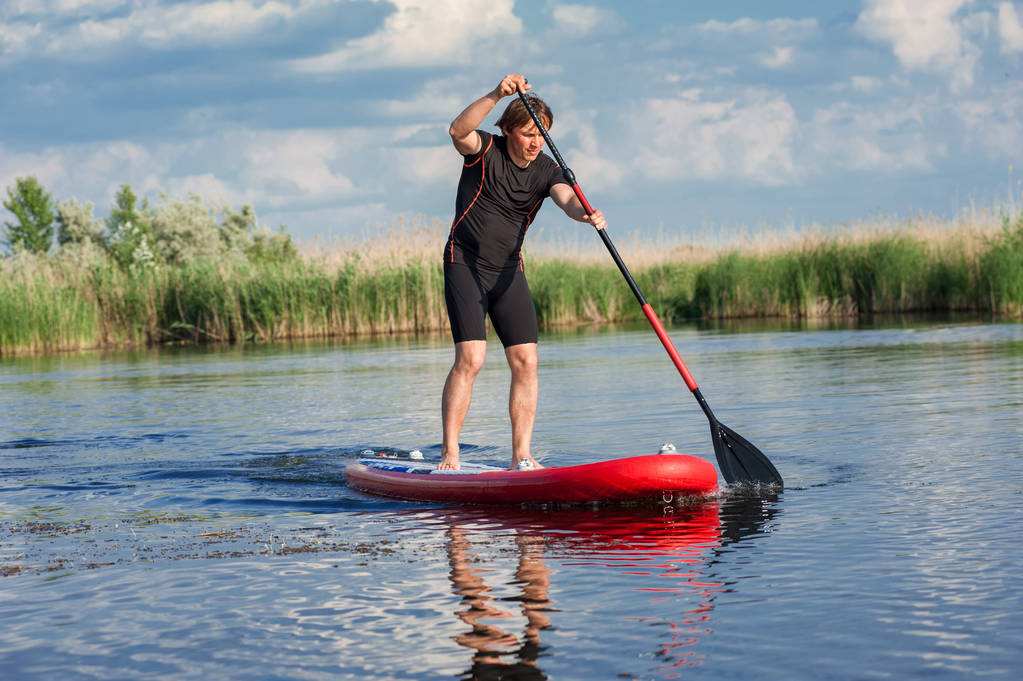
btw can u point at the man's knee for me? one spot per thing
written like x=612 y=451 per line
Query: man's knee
x=469 y=358
x=523 y=359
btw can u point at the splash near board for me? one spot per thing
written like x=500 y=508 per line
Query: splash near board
x=634 y=478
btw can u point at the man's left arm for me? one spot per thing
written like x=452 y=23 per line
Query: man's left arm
x=569 y=202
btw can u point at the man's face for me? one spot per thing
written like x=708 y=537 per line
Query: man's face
x=526 y=142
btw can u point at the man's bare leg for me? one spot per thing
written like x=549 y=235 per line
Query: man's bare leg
x=469 y=358
x=522 y=399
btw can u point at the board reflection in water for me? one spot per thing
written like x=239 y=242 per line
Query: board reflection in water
x=668 y=554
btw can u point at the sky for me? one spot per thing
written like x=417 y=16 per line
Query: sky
x=330 y=116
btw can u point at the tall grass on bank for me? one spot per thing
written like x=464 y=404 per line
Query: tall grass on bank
x=850 y=275
x=82 y=298
x=57 y=304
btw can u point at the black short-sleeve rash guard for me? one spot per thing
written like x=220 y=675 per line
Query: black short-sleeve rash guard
x=496 y=202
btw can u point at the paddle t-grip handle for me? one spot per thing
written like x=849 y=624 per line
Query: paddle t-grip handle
x=648 y=311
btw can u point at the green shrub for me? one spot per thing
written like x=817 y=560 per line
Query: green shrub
x=184 y=230
x=271 y=247
x=76 y=224
x=237 y=229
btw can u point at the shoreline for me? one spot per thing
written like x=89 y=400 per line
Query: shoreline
x=82 y=299
x=442 y=335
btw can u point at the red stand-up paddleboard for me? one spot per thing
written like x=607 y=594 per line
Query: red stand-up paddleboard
x=635 y=478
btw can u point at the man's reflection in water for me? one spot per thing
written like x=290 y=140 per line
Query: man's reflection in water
x=500 y=654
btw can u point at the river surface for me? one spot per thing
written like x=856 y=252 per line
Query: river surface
x=182 y=513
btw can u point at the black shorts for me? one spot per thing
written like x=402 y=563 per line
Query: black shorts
x=472 y=293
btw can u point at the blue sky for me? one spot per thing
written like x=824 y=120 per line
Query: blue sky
x=330 y=116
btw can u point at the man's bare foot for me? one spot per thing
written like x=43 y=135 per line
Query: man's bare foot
x=449 y=462
x=525 y=464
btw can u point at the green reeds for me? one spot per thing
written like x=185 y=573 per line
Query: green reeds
x=888 y=273
x=34 y=315
x=84 y=299
x=1001 y=271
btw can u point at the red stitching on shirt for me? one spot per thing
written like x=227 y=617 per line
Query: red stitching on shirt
x=470 y=165
x=483 y=177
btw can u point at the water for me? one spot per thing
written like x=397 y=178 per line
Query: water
x=182 y=513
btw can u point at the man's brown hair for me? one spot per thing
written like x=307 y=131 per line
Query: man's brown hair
x=516 y=116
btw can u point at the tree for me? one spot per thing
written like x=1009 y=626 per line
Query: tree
x=129 y=229
x=125 y=212
x=33 y=206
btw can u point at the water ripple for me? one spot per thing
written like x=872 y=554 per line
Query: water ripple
x=184 y=514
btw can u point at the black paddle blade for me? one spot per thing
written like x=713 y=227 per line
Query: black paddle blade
x=740 y=461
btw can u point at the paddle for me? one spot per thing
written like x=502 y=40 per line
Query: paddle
x=738 y=459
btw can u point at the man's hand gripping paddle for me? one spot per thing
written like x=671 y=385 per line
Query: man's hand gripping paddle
x=739 y=460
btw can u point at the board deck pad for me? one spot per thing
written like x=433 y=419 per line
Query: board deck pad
x=426 y=467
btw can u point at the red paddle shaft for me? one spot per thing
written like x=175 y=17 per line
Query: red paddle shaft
x=651 y=316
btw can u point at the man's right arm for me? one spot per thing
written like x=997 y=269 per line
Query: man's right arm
x=463 y=128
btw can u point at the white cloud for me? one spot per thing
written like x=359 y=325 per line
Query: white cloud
x=62 y=8
x=980 y=24
x=313 y=180
x=422 y=33
x=318 y=230
x=438 y=98
x=207 y=186
x=585 y=152
x=43 y=166
x=91 y=171
x=860 y=84
x=886 y=139
x=147 y=23
x=696 y=73
x=297 y=165
x=274 y=170
x=994 y=122
x=1009 y=28
x=777 y=58
x=16 y=38
x=436 y=165
x=583 y=19
x=924 y=35
x=213 y=21
x=688 y=137
x=423 y=105
x=747 y=26
x=865 y=84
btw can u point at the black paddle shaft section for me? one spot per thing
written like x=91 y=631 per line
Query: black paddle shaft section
x=704 y=406
x=621 y=266
x=569 y=176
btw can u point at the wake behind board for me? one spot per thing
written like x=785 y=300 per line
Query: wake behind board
x=634 y=478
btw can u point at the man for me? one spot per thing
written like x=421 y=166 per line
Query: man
x=504 y=180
